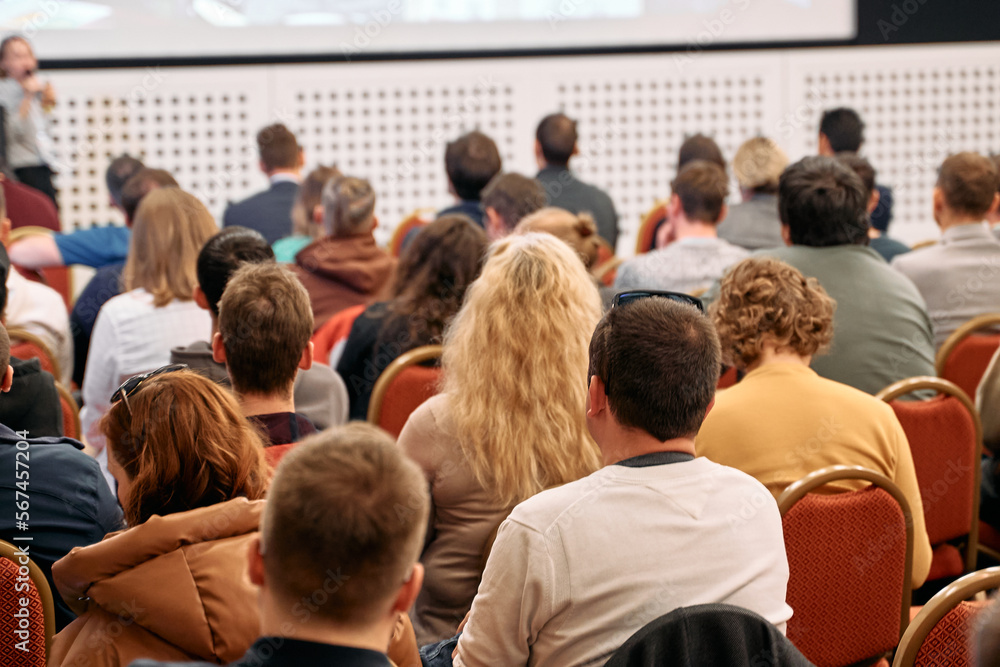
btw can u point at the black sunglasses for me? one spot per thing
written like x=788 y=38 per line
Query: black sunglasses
x=131 y=385
x=624 y=298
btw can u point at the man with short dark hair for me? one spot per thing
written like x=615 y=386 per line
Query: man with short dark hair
x=507 y=199
x=269 y=212
x=958 y=275
x=555 y=145
x=336 y=559
x=577 y=569
x=877 y=241
x=881 y=329
x=471 y=161
x=696 y=256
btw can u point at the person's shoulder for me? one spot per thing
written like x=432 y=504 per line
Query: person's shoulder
x=914 y=261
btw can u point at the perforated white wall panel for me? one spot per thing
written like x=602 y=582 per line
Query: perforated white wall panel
x=390 y=122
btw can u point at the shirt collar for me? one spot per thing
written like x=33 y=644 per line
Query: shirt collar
x=286 y=652
x=656 y=459
x=284 y=177
x=975 y=230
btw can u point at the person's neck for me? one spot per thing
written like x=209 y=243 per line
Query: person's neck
x=294 y=173
x=260 y=404
x=950 y=220
x=694 y=229
x=770 y=355
x=874 y=233
x=628 y=443
x=375 y=637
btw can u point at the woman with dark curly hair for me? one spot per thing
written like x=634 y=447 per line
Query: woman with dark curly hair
x=783 y=421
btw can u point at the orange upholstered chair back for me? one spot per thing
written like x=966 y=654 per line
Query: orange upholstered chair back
x=70 y=413
x=730 y=376
x=22 y=626
x=418 y=218
x=402 y=387
x=333 y=334
x=26 y=345
x=946 y=441
x=646 y=238
x=849 y=559
x=967 y=352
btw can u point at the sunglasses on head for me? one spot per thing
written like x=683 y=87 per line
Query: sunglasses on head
x=131 y=385
x=625 y=298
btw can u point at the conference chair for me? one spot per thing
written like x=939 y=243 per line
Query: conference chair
x=651 y=221
x=943 y=632
x=26 y=345
x=945 y=438
x=850 y=557
x=402 y=387
x=606 y=267
x=419 y=218
x=40 y=620
x=328 y=341
x=71 y=413
x=965 y=354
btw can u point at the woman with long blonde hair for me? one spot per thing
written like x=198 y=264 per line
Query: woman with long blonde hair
x=510 y=421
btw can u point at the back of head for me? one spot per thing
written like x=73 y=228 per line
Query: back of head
x=513 y=197
x=265 y=320
x=557 y=137
x=334 y=512
x=758 y=164
x=969 y=183
x=823 y=203
x=700 y=147
x=843 y=128
x=579 y=232
x=763 y=300
x=309 y=196
x=222 y=254
x=169 y=230
x=860 y=166
x=702 y=187
x=278 y=148
x=141 y=184
x=471 y=161
x=184 y=444
x=348 y=206
x=659 y=362
x=121 y=169
x=515 y=360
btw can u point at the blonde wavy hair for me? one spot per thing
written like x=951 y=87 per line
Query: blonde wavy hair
x=515 y=368
x=168 y=232
x=765 y=300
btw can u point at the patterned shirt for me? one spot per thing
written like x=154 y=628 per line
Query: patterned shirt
x=686 y=265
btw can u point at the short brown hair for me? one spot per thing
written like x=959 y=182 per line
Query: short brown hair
x=344 y=523
x=700 y=147
x=557 y=136
x=266 y=321
x=969 y=183
x=659 y=362
x=141 y=184
x=348 y=206
x=702 y=187
x=513 y=197
x=184 y=443
x=860 y=166
x=763 y=299
x=278 y=148
x=471 y=161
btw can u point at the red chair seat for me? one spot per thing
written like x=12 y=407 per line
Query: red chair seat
x=946 y=561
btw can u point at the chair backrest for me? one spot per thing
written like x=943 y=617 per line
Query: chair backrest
x=72 y=427
x=419 y=218
x=28 y=626
x=26 y=345
x=730 y=376
x=965 y=354
x=646 y=238
x=945 y=439
x=606 y=267
x=402 y=387
x=850 y=557
x=942 y=633
x=708 y=634
x=328 y=341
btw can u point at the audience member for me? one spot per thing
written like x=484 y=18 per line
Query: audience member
x=135 y=330
x=345 y=268
x=696 y=256
x=434 y=272
x=877 y=240
x=993 y=215
x=507 y=199
x=988 y=405
x=191 y=475
x=263 y=339
x=319 y=394
x=471 y=162
x=106 y=282
x=333 y=504
x=881 y=329
x=576 y=570
x=95 y=247
x=269 y=211
x=307 y=215
x=956 y=276
x=555 y=145
x=771 y=322
x=71 y=506
x=754 y=224
x=700 y=147
x=509 y=422
x=841 y=130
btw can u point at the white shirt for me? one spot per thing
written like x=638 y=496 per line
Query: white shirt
x=40 y=310
x=576 y=570
x=131 y=336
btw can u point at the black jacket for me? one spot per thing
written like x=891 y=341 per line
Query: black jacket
x=33 y=402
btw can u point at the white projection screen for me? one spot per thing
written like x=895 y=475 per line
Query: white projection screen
x=122 y=29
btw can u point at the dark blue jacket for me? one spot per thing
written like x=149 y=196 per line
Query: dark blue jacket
x=269 y=212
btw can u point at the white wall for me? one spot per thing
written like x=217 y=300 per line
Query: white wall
x=389 y=121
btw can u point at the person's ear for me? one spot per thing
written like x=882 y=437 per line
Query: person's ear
x=494 y=224
x=576 y=150
x=938 y=203
x=301 y=161
x=374 y=223
x=723 y=213
x=710 y=406
x=318 y=214
x=824 y=145
x=306 y=362
x=674 y=206
x=5 y=231
x=255 y=563
x=409 y=590
x=199 y=297
x=8 y=379
x=786 y=234
x=873 y=201
x=995 y=205
x=598 y=398
x=218 y=349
